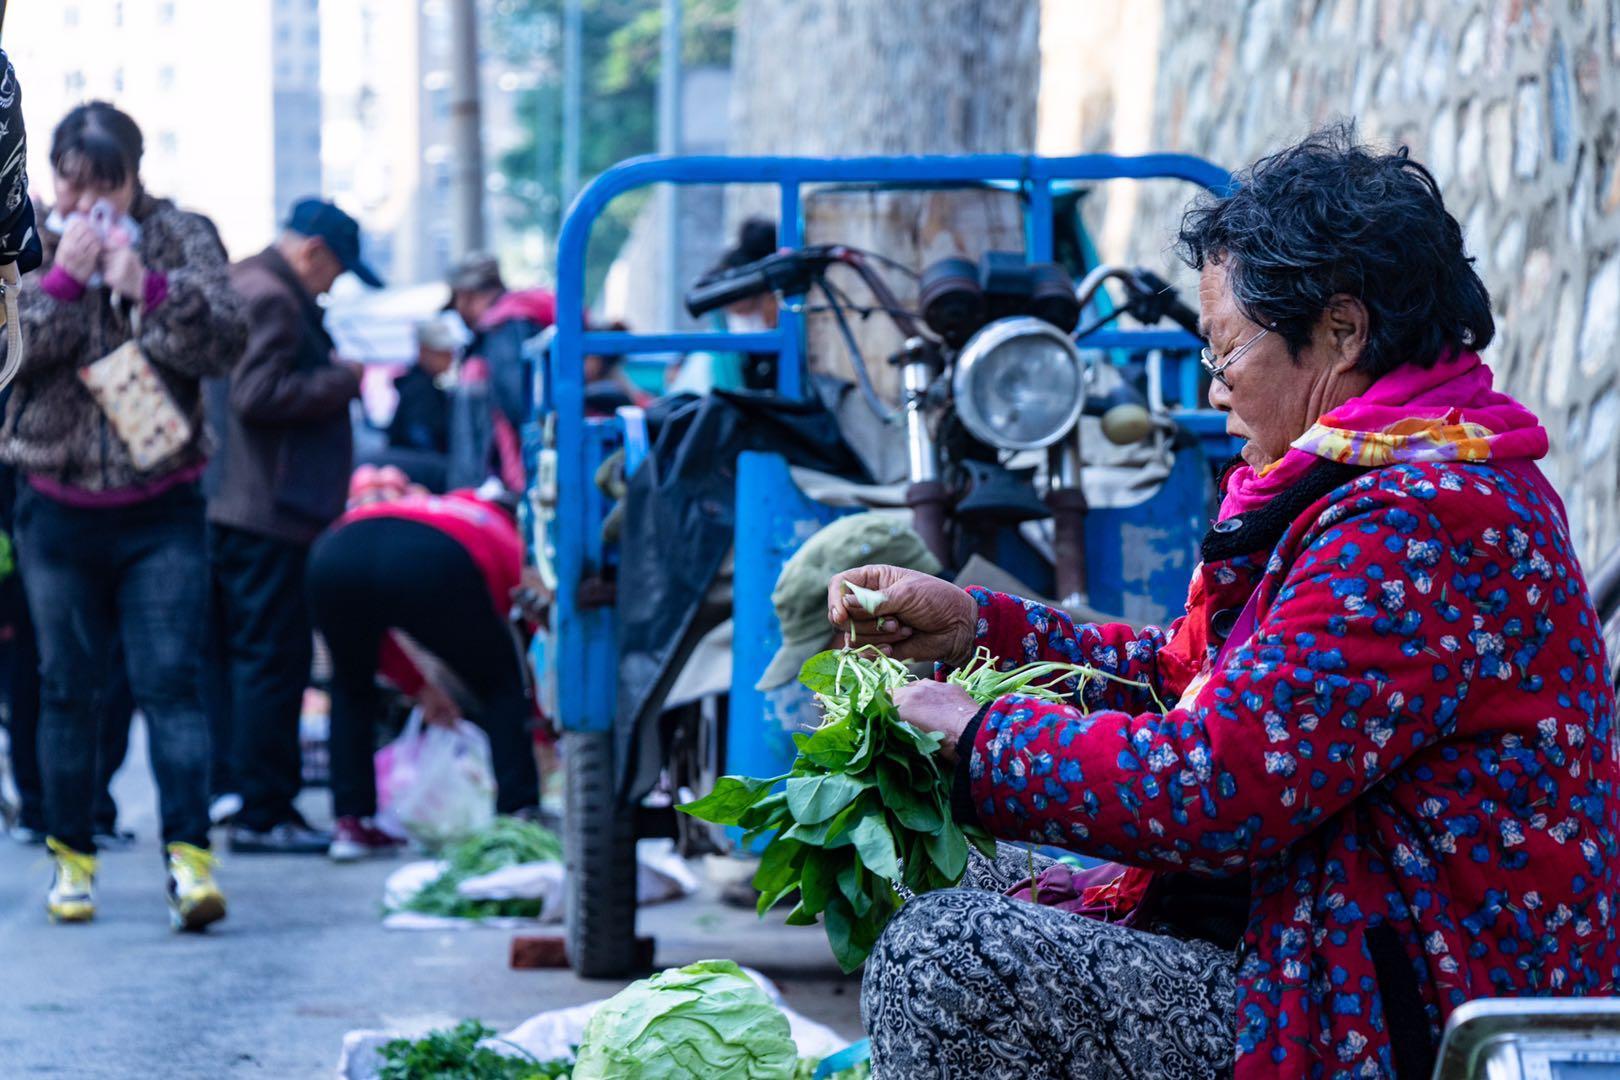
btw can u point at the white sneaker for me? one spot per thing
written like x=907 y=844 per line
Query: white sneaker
x=224 y=807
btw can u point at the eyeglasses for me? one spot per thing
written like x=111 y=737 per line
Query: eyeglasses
x=1206 y=356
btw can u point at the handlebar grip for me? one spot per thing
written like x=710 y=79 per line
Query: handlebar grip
x=723 y=291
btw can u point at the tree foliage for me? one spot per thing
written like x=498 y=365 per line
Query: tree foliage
x=619 y=107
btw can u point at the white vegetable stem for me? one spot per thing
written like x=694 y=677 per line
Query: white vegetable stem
x=868 y=599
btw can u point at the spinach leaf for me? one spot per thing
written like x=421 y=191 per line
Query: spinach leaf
x=873 y=840
x=917 y=810
x=731 y=796
x=814 y=799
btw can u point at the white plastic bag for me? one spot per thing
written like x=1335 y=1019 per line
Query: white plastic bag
x=436 y=784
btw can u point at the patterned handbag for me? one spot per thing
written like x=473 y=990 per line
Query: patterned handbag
x=137 y=404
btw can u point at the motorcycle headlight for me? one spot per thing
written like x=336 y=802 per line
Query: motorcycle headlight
x=1019 y=384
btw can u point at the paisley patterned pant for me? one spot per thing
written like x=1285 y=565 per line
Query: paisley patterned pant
x=967 y=983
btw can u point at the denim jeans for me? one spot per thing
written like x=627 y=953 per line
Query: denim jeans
x=93 y=576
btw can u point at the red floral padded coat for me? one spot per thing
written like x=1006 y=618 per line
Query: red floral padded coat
x=1413 y=759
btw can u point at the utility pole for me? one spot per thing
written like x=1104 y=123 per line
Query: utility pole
x=466 y=128
x=669 y=142
x=573 y=87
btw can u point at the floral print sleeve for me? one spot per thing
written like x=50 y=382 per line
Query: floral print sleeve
x=1018 y=632
x=1290 y=731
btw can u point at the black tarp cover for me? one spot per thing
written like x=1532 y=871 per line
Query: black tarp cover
x=677 y=530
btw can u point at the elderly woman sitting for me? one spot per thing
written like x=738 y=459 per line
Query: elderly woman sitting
x=1381 y=781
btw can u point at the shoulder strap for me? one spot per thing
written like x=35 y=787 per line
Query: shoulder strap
x=9 y=284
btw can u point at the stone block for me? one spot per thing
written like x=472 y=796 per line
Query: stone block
x=1588 y=73
x=1561 y=364
x=1261 y=24
x=1499 y=148
x=1474 y=226
x=1600 y=326
x=1471 y=46
x=1437 y=73
x=1499 y=39
x=1361 y=85
x=1440 y=151
x=1471 y=144
x=1602 y=428
x=1389 y=84
x=1580 y=197
x=1535 y=280
x=1344 y=17
x=1527 y=129
x=1560 y=103
x=1608 y=149
x=1509 y=248
x=1415 y=55
x=541 y=951
x=538 y=951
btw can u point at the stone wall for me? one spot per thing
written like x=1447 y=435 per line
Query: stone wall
x=1515 y=106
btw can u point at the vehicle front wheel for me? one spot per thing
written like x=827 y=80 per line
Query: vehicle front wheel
x=600 y=849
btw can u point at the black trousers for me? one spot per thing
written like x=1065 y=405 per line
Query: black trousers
x=260 y=585
x=382 y=574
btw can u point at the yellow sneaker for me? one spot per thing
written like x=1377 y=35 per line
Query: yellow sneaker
x=72 y=895
x=194 y=898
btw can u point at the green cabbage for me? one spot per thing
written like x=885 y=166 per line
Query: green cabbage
x=705 y=1021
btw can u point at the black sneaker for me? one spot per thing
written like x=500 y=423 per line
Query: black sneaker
x=287 y=838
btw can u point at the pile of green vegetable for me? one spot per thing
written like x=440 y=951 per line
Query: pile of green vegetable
x=705 y=1021
x=866 y=807
x=504 y=842
x=460 y=1054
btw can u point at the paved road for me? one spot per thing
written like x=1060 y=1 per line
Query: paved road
x=301 y=960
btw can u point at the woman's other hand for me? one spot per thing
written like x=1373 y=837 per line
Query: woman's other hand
x=125 y=273
x=921 y=616
x=937 y=706
x=79 y=252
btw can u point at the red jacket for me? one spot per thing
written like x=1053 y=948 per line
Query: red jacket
x=486 y=533
x=1413 y=759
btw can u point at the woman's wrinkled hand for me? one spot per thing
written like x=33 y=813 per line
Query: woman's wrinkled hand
x=937 y=706
x=125 y=273
x=921 y=617
x=79 y=252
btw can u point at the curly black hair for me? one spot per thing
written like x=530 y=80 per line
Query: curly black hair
x=1330 y=216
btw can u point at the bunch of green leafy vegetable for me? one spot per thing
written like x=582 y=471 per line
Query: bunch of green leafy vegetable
x=460 y=1054
x=506 y=841
x=866 y=806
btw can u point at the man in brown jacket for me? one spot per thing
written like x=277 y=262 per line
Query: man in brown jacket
x=280 y=477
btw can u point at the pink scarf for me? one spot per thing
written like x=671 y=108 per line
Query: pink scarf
x=1448 y=412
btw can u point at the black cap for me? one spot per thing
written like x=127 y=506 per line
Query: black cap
x=338 y=231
